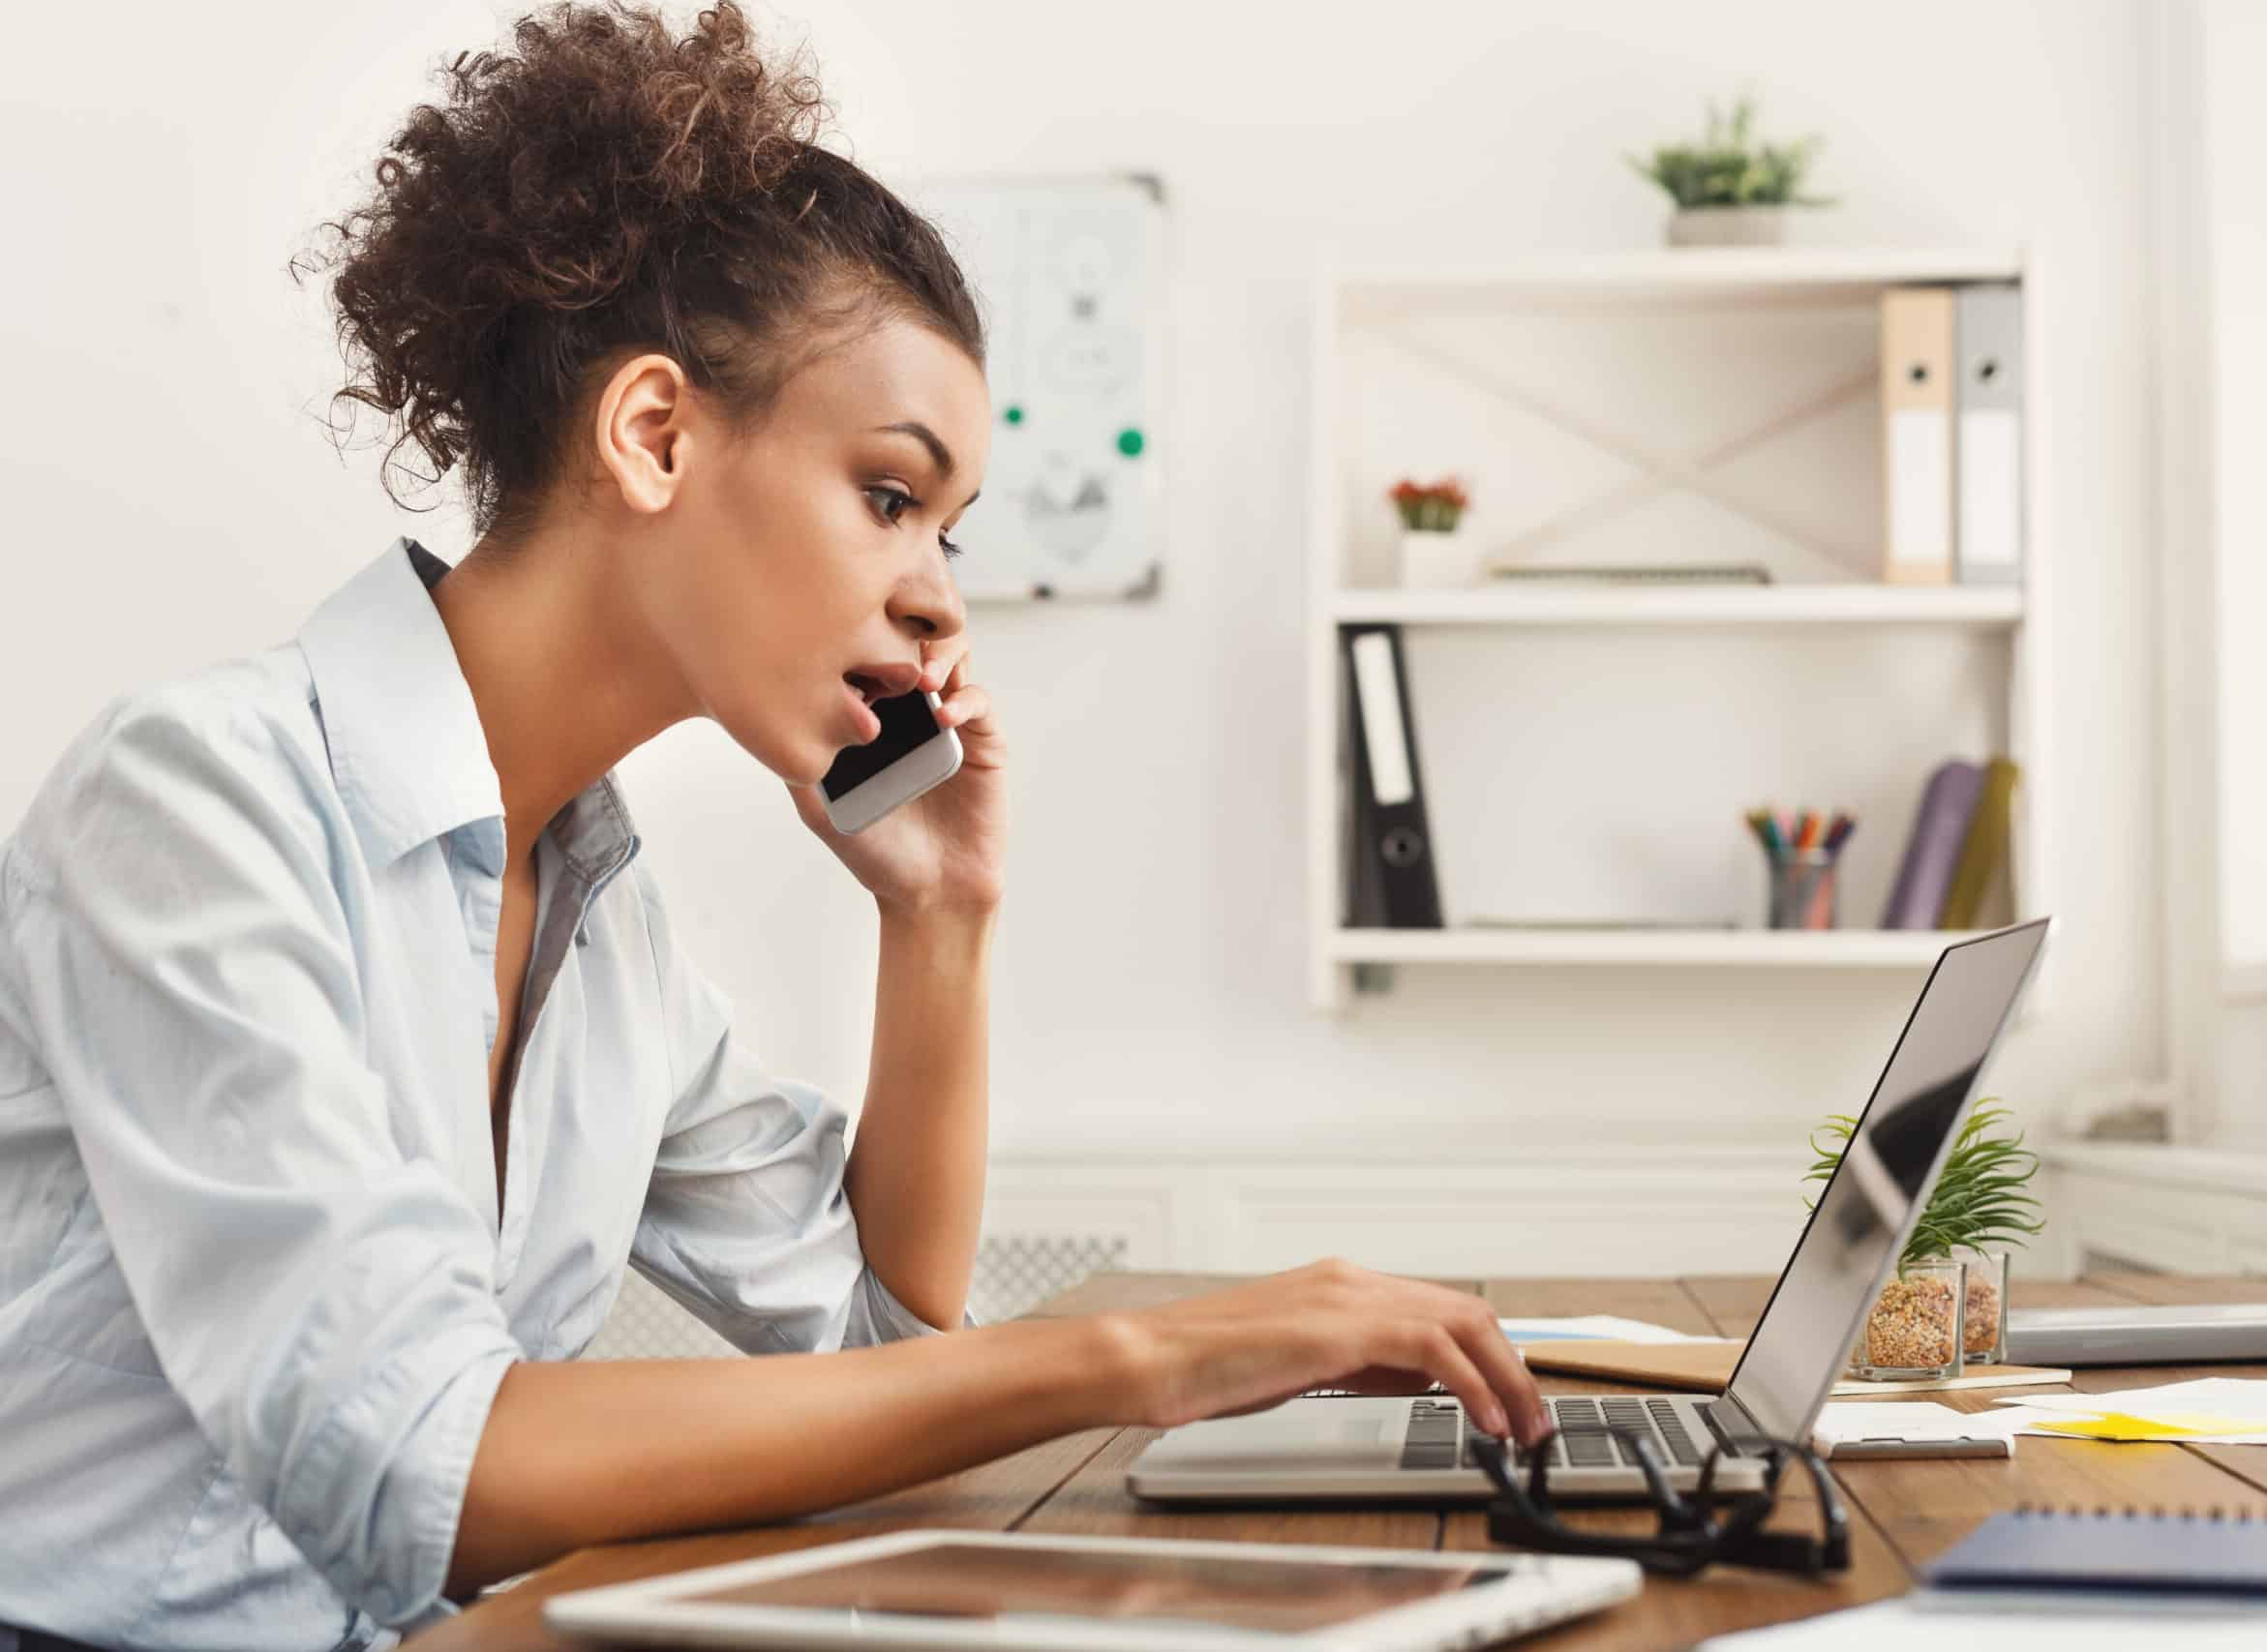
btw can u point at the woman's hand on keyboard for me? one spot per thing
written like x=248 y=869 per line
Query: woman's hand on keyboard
x=1328 y=1324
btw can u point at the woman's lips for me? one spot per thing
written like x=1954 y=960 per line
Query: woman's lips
x=869 y=724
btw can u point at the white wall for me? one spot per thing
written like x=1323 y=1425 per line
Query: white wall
x=172 y=498
x=2236 y=136
x=2234 y=236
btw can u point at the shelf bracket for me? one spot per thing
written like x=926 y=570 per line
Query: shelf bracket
x=1663 y=472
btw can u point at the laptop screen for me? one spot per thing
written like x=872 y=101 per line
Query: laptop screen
x=1875 y=1195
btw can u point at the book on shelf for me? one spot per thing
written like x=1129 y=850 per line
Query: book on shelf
x=1956 y=854
x=1932 y=849
x=1983 y=854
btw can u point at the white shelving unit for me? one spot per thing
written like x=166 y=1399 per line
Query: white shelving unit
x=1405 y=312
x=1982 y=607
x=1738 y=948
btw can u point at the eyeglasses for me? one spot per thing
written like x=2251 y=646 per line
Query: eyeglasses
x=1706 y=1526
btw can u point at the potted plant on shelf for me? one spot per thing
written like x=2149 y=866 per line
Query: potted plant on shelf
x=1948 y=1305
x=1435 y=549
x=1730 y=190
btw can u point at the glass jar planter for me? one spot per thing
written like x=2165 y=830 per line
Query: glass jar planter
x=1913 y=1331
x=1983 y=1333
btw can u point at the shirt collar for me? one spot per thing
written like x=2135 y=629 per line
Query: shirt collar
x=407 y=748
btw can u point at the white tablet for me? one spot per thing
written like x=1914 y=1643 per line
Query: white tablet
x=1091 y=1593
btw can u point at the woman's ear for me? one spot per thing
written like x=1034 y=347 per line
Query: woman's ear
x=642 y=431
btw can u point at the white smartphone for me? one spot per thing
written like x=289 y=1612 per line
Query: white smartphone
x=911 y=754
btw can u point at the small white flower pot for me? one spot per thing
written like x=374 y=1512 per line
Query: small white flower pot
x=1729 y=226
x=1433 y=559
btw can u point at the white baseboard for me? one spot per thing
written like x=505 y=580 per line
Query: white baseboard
x=1553 y=1211
x=2177 y=1210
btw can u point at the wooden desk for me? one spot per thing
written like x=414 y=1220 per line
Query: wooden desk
x=1901 y=1514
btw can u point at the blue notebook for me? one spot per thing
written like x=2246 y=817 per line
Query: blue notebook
x=2074 y=1549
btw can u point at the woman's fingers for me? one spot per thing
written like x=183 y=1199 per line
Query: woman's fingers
x=1428 y=1346
x=1472 y=1325
x=944 y=665
x=964 y=706
x=1507 y=1375
x=1334 y=1325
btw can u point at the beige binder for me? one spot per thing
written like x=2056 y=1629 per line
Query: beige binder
x=1918 y=365
x=1703 y=1365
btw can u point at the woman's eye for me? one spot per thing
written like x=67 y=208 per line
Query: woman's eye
x=901 y=501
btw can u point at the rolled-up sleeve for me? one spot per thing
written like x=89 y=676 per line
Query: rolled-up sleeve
x=746 y=1222
x=321 y=1299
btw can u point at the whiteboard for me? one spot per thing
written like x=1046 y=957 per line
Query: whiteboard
x=1069 y=274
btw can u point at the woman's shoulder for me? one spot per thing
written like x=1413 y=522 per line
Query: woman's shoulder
x=162 y=754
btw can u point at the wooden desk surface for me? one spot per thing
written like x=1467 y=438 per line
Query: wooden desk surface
x=1901 y=1514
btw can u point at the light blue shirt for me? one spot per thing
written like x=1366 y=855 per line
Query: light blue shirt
x=255 y=1297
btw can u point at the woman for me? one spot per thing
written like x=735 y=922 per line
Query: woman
x=346 y=1054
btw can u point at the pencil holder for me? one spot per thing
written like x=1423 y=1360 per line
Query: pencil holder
x=1802 y=891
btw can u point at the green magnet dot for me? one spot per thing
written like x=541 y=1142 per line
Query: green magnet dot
x=1130 y=443
x=1013 y=415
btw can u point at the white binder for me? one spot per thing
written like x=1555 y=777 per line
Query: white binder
x=1989 y=546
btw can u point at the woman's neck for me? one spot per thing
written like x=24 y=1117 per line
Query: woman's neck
x=564 y=689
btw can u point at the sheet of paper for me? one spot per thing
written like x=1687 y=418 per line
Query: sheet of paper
x=1909 y=1420
x=2084 y=1621
x=2230 y=1411
x=2243 y=1399
x=1595 y=1328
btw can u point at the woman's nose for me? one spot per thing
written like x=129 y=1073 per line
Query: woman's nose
x=931 y=605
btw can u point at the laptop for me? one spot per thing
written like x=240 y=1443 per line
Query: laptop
x=1418 y=1450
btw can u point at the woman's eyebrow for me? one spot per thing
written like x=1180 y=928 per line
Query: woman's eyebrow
x=928 y=437
x=938 y=451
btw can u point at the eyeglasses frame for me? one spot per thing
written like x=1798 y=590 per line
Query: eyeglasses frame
x=1691 y=1534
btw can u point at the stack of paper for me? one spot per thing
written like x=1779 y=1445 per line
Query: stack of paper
x=2224 y=1411
x=1908 y=1420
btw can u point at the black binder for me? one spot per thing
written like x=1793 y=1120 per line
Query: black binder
x=1390 y=879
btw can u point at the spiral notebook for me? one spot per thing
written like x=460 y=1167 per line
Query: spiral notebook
x=2178 y=1551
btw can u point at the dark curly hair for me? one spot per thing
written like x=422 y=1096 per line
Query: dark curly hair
x=607 y=189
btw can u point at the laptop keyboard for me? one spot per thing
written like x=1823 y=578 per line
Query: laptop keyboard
x=1436 y=1436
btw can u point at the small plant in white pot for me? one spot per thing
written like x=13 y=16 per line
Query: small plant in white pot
x=1434 y=549
x=1731 y=189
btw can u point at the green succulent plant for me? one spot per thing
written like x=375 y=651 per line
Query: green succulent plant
x=1725 y=168
x=1980 y=1197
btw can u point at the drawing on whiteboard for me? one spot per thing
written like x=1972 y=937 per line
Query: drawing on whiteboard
x=1069 y=510
x=1069 y=274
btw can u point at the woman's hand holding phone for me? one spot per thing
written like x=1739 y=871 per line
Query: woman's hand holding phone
x=945 y=851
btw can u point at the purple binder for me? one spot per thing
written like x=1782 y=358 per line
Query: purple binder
x=1933 y=852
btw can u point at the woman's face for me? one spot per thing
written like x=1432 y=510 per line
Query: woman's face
x=801 y=565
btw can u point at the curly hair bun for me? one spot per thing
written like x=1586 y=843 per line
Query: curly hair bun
x=610 y=185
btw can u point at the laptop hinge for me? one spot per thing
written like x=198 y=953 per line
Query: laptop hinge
x=1730 y=1422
